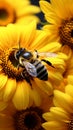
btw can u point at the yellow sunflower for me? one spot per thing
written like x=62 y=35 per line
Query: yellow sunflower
x=29 y=119
x=59 y=15
x=60 y=117
x=16 y=83
x=14 y=11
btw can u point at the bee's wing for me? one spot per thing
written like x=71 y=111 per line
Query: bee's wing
x=47 y=54
x=31 y=69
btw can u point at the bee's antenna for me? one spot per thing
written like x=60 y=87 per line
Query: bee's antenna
x=18 y=47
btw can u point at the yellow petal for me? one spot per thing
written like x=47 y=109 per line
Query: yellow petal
x=70 y=79
x=27 y=11
x=31 y=9
x=21 y=35
x=62 y=56
x=51 y=47
x=48 y=116
x=9 y=90
x=35 y=97
x=21 y=96
x=28 y=38
x=7 y=36
x=40 y=40
x=26 y=20
x=51 y=18
x=57 y=61
x=69 y=90
x=67 y=50
x=55 y=77
x=58 y=6
x=63 y=100
x=45 y=86
x=3 y=105
x=59 y=112
x=45 y=6
x=3 y=80
x=54 y=125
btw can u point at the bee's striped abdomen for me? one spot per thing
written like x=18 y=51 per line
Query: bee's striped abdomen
x=42 y=73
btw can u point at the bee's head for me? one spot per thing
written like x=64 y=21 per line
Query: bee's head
x=22 y=52
x=18 y=53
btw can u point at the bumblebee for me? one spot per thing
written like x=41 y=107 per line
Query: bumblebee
x=33 y=67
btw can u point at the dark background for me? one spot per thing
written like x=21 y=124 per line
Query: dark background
x=40 y=15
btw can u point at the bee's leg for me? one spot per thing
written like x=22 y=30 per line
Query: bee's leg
x=28 y=80
x=18 y=66
x=26 y=76
x=48 y=62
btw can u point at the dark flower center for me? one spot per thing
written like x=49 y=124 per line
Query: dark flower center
x=8 y=66
x=66 y=32
x=7 y=13
x=29 y=119
x=3 y=14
